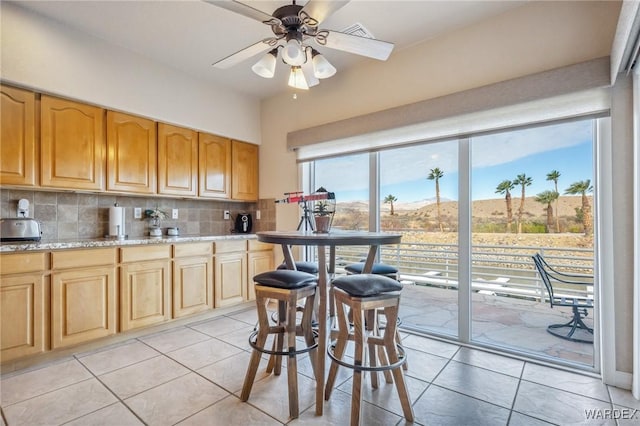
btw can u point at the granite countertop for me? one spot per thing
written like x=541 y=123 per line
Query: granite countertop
x=7 y=247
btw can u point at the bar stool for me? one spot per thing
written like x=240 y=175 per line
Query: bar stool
x=388 y=271
x=287 y=287
x=308 y=267
x=364 y=295
x=378 y=269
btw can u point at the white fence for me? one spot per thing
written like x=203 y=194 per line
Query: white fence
x=498 y=270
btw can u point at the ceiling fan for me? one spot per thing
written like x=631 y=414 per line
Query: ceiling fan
x=294 y=27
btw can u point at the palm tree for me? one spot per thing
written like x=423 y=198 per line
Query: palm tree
x=436 y=174
x=523 y=181
x=505 y=187
x=582 y=187
x=554 y=175
x=548 y=197
x=390 y=199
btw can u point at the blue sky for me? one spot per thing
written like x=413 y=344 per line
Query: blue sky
x=565 y=147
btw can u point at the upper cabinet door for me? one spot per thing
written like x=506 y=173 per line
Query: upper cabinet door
x=17 y=139
x=177 y=160
x=72 y=145
x=244 y=180
x=132 y=154
x=215 y=166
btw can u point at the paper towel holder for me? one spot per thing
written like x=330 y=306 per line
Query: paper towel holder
x=119 y=227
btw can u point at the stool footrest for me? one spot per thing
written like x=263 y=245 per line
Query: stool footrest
x=402 y=358
x=254 y=336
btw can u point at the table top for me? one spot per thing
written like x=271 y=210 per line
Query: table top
x=332 y=238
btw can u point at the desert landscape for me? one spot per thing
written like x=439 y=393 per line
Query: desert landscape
x=417 y=221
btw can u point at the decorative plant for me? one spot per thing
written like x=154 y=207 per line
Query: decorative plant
x=322 y=208
x=156 y=215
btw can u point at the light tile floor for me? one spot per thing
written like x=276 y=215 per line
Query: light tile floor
x=192 y=374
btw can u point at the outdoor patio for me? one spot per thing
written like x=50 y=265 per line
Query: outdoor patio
x=498 y=321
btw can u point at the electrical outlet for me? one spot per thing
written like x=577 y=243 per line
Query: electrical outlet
x=174 y=213
x=227 y=215
x=137 y=213
x=257 y=214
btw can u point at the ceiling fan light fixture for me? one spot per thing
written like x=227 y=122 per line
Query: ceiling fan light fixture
x=266 y=66
x=322 y=68
x=297 y=80
x=293 y=53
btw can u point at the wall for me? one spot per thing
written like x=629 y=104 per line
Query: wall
x=533 y=38
x=40 y=54
x=71 y=215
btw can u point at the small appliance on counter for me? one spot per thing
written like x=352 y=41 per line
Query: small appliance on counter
x=20 y=229
x=243 y=223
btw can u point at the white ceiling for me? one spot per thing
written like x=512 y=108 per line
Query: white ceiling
x=190 y=35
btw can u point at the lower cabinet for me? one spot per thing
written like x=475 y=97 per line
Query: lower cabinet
x=192 y=278
x=60 y=298
x=83 y=297
x=24 y=315
x=230 y=272
x=24 y=305
x=145 y=286
x=260 y=259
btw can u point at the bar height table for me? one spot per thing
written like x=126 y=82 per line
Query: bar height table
x=286 y=239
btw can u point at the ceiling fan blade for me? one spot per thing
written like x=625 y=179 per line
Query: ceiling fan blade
x=246 y=53
x=316 y=11
x=372 y=48
x=245 y=10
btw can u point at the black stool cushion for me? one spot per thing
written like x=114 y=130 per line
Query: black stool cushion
x=364 y=285
x=285 y=278
x=308 y=267
x=378 y=268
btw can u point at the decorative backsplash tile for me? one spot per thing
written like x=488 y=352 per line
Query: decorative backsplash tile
x=68 y=215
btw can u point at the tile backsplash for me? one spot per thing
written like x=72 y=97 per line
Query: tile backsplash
x=71 y=215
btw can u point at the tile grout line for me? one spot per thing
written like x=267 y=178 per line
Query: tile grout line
x=110 y=391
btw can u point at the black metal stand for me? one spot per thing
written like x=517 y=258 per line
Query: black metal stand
x=305 y=219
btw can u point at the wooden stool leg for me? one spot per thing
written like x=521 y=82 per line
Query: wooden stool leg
x=356 y=393
x=261 y=339
x=405 y=366
x=292 y=362
x=307 y=330
x=341 y=345
x=371 y=328
x=389 y=341
x=279 y=339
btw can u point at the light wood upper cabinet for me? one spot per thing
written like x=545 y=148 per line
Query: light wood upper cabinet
x=244 y=171
x=18 y=148
x=177 y=160
x=131 y=153
x=72 y=145
x=214 y=154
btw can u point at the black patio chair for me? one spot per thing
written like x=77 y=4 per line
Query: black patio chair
x=579 y=305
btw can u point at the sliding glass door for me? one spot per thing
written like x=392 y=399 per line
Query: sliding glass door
x=531 y=192
x=473 y=211
x=419 y=198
